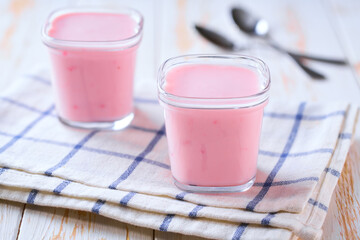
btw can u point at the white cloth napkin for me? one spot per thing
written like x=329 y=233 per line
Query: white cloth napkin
x=125 y=175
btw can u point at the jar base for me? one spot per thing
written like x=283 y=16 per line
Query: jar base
x=208 y=189
x=115 y=125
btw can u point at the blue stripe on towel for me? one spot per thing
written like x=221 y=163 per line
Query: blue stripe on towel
x=181 y=196
x=286 y=182
x=194 y=212
x=96 y=208
x=165 y=224
x=127 y=156
x=322 y=117
x=266 y=220
x=76 y=148
x=125 y=200
x=299 y=154
x=32 y=196
x=22 y=105
x=3 y=169
x=39 y=79
x=305 y=117
x=61 y=186
x=239 y=231
x=145 y=129
x=318 y=204
x=138 y=159
x=26 y=129
x=332 y=172
x=345 y=135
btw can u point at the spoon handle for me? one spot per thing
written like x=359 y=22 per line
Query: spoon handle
x=320 y=59
x=309 y=57
x=215 y=38
x=312 y=73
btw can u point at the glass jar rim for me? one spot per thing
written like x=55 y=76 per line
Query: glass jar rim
x=227 y=102
x=111 y=44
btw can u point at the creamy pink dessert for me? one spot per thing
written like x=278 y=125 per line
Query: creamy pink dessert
x=93 y=57
x=212 y=146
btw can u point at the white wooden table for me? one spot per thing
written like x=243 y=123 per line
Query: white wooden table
x=329 y=28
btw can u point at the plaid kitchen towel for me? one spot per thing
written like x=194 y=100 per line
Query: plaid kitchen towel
x=125 y=175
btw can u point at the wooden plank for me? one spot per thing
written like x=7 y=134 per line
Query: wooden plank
x=57 y=223
x=345 y=18
x=10 y=219
x=158 y=235
x=343 y=219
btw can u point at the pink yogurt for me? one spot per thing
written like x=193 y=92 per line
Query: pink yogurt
x=213 y=126
x=93 y=55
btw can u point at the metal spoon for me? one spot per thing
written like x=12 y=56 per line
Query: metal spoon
x=260 y=28
x=226 y=44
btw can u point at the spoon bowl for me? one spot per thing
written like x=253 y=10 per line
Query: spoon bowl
x=250 y=24
x=258 y=27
